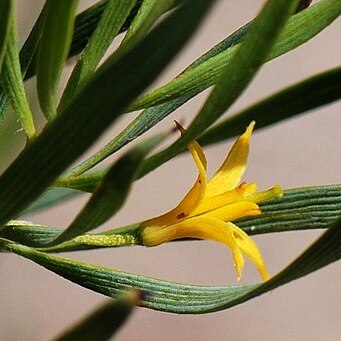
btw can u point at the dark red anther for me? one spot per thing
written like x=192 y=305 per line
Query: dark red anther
x=181 y=215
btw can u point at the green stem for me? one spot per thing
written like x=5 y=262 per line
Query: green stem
x=94 y=241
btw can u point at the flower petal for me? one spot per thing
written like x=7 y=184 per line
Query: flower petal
x=195 y=195
x=200 y=227
x=234 y=211
x=238 y=194
x=249 y=247
x=229 y=174
x=194 y=148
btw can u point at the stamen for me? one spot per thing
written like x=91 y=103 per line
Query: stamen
x=274 y=192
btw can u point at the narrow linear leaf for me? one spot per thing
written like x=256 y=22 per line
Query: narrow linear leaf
x=13 y=84
x=300 y=28
x=85 y=24
x=86 y=182
x=29 y=48
x=104 y=321
x=181 y=298
x=37 y=236
x=112 y=19
x=53 y=50
x=297 y=26
x=110 y=193
x=300 y=209
x=3 y=103
x=50 y=198
x=6 y=8
x=309 y=94
x=77 y=127
x=151 y=116
x=236 y=76
x=148 y=13
x=26 y=54
x=30 y=234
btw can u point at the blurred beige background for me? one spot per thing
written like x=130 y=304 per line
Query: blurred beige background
x=36 y=304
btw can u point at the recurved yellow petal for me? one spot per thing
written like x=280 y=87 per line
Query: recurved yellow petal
x=193 y=197
x=249 y=247
x=201 y=227
x=195 y=149
x=229 y=174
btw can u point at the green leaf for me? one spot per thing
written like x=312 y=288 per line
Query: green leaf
x=85 y=24
x=112 y=19
x=147 y=119
x=28 y=233
x=181 y=298
x=13 y=84
x=309 y=94
x=77 y=127
x=110 y=193
x=86 y=182
x=6 y=8
x=38 y=236
x=26 y=55
x=300 y=28
x=51 y=197
x=53 y=50
x=299 y=209
x=148 y=13
x=236 y=76
x=104 y=321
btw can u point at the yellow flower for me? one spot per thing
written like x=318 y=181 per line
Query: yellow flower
x=208 y=209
